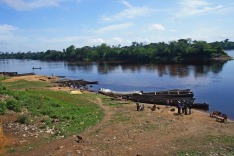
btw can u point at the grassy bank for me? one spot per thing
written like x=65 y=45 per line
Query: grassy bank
x=34 y=104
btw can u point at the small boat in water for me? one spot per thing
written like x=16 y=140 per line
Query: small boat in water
x=36 y=68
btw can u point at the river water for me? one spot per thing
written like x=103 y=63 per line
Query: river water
x=211 y=83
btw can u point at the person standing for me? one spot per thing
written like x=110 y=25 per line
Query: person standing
x=167 y=103
x=190 y=107
x=186 y=107
x=183 y=106
x=179 y=107
x=138 y=105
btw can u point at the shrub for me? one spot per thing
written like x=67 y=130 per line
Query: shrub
x=12 y=104
x=2 y=108
x=46 y=120
x=23 y=119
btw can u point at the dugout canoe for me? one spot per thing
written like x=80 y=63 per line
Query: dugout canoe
x=117 y=93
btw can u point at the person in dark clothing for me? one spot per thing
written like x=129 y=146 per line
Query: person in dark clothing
x=183 y=107
x=138 y=106
x=186 y=108
x=190 y=107
x=167 y=103
x=154 y=107
x=179 y=107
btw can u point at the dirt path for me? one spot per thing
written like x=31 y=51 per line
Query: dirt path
x=70 y=144
x=108 y=113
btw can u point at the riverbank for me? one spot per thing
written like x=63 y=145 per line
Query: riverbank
x=125 y=131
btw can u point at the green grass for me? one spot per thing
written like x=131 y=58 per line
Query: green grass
x=191 y=153
x=211 y=145
x=74 y=113
x=121 y=117
x=23 y=84
x=11 y=150
x=110 y=102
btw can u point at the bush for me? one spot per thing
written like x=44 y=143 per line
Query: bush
x=23 y=119
x=2 y=108
x=12 y=104
x=46 y=120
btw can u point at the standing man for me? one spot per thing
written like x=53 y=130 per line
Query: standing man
x=179 y=107
x=190 y=107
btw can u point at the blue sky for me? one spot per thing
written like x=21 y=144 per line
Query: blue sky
x=39 y=25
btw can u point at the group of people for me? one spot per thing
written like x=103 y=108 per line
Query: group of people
x=80 y=87
x=184 y=107
x=140 y=107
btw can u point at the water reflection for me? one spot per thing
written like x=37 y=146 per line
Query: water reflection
x=77 y=66
x=173 y=70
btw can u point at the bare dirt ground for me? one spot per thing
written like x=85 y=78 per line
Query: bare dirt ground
x=125 y=131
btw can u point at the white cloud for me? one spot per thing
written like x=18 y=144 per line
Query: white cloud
x=97 y=41
x=7 y=28
x=22 y=5
x=126 y=4
x=157 y=27
x=66 y=39
x=189 y=8
x=129 y=13
x=173 y=30
x=114 y=27
x=7 y=33
x=117 y=39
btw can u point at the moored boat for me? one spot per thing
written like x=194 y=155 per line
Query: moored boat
x=117 y=93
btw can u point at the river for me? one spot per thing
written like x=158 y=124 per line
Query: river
x=211 y=83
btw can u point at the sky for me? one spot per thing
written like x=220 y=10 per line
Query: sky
x=40 y=25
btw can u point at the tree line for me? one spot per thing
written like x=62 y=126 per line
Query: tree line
x=137 y=52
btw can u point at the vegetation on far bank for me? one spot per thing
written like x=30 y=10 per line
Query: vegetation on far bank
x=174 y=51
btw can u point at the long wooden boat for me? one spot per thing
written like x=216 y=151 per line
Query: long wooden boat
x=25 y=74
x=118 y=93
x=163 y=101
x=9 y=73
x=172 y=90
x=67 y=82
x=36 y=68
x=160 y=98
x=175 y=92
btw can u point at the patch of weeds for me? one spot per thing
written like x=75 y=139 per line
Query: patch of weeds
x=42 y=126
x=11 y=150
x=23 y=84
x=112 y=103
x=121 y=117
x=46 y=121
x=23 y=119
x=27 y=148
x=3 y=107
x=97 y=130
x=190 y=153
x=221 y=139
x=12 y=104
x=150 y=127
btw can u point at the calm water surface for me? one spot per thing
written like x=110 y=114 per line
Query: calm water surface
x=211 y=83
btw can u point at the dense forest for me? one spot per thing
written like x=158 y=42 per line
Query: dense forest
x=137 y=52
